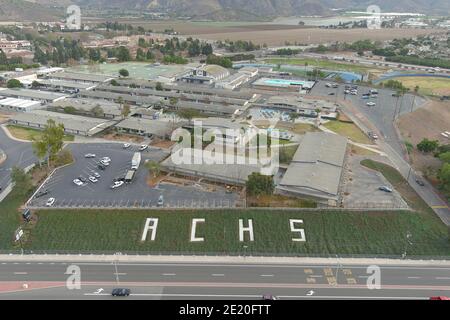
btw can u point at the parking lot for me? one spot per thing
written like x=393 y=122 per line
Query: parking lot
x=136 y=194
x=382 y=114
x=360 y=188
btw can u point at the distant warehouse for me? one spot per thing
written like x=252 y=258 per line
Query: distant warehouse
x=283 y=84
x=315 y=171
x=81 y=77
x=77 y=125
x=147 y=127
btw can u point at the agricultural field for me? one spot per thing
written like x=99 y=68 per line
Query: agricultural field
x=304 y=35
x=29 y=133
x=427 y=85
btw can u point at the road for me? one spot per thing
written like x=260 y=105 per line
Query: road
x=18 y=154
x=240 y=280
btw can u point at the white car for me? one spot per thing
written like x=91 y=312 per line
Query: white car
x=78 y=182
x=328 y=85
x=370 y=104
x=90 y=155
x=126 y=145
x=104 y=162
x=93 y=179
x=107 y=159
x=96 y=174
x=160 y=201
x=143 y=147
x=117 y=184
x=50 y=202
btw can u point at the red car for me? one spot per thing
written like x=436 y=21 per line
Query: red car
x=440 y=298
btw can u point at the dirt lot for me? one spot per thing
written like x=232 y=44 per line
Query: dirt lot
x=309 y=36
x=426 y=122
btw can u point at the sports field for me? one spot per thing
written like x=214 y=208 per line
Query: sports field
x=137 y=70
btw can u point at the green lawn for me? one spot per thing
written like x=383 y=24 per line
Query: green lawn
x=24 y=133
x=326 y=232
x=10 y=219
x=349 y=130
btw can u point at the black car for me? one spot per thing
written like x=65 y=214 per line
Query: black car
x=82 y=179
x=120 y=292
x=420 y=182
x=42 y=193
x=101 y=167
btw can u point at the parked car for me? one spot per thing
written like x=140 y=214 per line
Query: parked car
x=77 y=182
x=101 y=166
x=96 y=174
x=371 y=104
x=104 y=163
x=120 y=292
x=420 y=182
x=107 y=159
x=90 y=155
x=82 y=179
x=160 y=201
x=93 y=179
x=126 y=145
x=50 y=202
x=331 y=93
x=117 y=184
x=42 y=193
x=385 y=189
x=143 y=147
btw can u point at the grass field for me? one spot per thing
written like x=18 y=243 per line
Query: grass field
x=326 y=232
x=29 y=133
x=349 y=130
x=427 y=85
x=400 y=184
x=9 y=219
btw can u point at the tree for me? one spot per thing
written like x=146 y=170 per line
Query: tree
x=51 y=140
x=70 y=109
x=125 y=110
x=35 y=84
x=444 y=176
x=124 y=73
x=188 y=114
x=445 y=157
x=123 y=54
x=22 y=180
x=427 y=145
x=153 y=167
x=98 y=111
x=258 y=184
x=14 y=83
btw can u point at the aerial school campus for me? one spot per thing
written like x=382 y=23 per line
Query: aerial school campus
x=116 y=138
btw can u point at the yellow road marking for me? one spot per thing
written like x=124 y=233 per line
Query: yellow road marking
x=439 y=207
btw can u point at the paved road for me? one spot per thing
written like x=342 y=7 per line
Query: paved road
x=18 y=154
x=46 y=280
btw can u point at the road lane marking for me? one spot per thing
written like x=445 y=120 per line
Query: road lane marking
x=218 y=275
x=20 y=273
x=414 y=277
x=266 y=275
x=120 y=274
x=169 y=274
x=315 y=276
x=439 y=207
x=442 y=278
x=257 y=296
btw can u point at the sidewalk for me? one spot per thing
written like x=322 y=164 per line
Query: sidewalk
x=219 y=259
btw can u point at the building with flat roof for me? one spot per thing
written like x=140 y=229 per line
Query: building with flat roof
x=147 y=127
x=114 y=97
x=65 y=85
x=294 y=85
x=81 y=77
x=206 y=74
x=19 y=105
x=89 y=107
x=34 y=95
x=73 y=124
x=199 y=166
x=316 y=169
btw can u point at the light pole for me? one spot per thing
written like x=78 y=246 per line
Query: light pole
x=408 y=236
x=245 y=250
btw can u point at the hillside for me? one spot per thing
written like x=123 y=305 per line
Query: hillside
x=21 y=10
